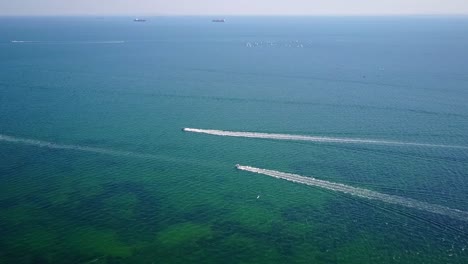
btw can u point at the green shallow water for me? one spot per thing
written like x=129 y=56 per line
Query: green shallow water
x=369 y=78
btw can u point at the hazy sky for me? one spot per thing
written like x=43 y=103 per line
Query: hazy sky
x=231 y=7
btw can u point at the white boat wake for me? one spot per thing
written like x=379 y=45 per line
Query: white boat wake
x=314 y=138
x=23 y=41
x=103 y=151
x=51 y=145
x=363 y=193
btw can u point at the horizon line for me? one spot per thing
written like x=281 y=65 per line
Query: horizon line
x=243 y=15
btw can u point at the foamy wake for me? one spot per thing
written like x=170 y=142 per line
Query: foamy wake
x=45 y=144
x=314 y=138
x=363 y=193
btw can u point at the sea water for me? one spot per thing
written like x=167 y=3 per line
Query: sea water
x=95 y=165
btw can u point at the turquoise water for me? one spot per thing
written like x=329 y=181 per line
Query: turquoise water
x=158 y=194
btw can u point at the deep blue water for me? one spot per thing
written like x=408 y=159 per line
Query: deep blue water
x=118 y=86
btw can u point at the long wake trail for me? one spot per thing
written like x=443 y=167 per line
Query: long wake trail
x=363 y=193
x=51 y=145
x=313 y=138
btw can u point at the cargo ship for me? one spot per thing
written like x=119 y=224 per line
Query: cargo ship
x=139 y=20
x=219 y=20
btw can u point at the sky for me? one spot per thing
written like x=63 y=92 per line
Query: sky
x=233 y=7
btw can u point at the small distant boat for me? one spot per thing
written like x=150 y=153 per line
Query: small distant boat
x=219 y=20
x=139 y=20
